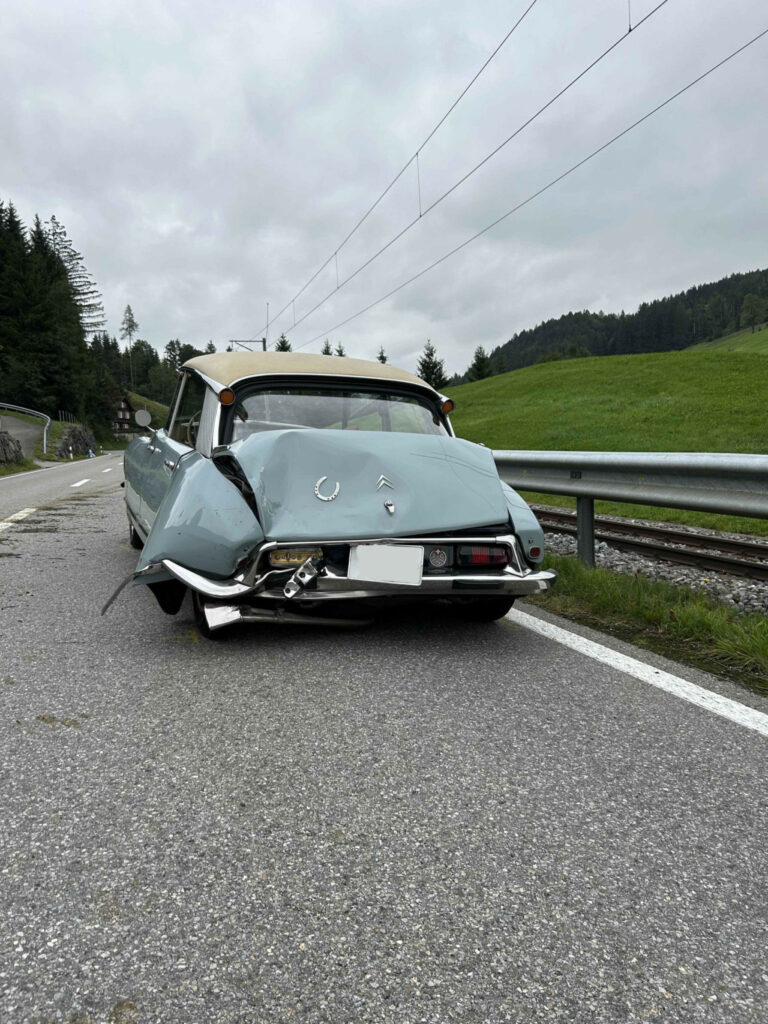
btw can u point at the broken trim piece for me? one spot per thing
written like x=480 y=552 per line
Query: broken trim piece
x=203 y=585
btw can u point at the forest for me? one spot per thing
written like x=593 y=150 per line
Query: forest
x=701 y=313
x=55 y=354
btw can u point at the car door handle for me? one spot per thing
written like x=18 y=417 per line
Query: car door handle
x=171 y=465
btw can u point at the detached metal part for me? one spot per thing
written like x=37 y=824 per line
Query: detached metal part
x=218 y=616
x=303 y=576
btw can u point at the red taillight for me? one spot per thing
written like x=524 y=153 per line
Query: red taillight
x=534 y=552
x=483 y=554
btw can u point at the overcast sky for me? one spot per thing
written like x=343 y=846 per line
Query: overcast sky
x=206 y=159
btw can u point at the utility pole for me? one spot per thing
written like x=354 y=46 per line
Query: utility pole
x=248 y=342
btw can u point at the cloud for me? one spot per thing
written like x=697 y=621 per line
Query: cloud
x=208 y=160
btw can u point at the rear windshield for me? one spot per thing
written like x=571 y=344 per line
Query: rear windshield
x=282 y=408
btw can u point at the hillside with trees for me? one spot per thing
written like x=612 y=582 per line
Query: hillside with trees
x=48 y=304
x=700 y=314
x=54 y=354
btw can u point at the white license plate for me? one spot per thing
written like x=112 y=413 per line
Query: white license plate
x=386 y=563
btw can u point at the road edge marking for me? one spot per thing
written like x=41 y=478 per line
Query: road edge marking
x=742 y=715
x=6 y=524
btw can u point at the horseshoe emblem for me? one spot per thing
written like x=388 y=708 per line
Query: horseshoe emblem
x=326 y=497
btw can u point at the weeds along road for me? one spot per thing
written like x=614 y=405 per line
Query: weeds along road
x=420 y=820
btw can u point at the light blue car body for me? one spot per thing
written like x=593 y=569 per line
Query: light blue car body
x=206 y=514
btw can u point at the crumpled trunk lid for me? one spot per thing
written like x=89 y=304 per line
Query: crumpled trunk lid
x=437 y=484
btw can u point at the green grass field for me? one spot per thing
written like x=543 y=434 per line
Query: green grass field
x=739 y=341
x=158 y=411
x=695 y=400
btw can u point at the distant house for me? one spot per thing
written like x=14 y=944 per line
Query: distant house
x=123 y=421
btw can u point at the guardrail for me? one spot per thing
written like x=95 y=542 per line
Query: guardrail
x=32 y=412
x=702 y=482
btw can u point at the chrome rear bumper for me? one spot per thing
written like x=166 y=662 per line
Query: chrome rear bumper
x=329 y=586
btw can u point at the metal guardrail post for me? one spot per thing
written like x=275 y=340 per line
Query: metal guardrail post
x=585 y=531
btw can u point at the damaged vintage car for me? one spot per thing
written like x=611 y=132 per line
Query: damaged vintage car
x=288 y=487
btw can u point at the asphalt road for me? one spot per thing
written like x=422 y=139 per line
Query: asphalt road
x=417 y=821
x=57 y=481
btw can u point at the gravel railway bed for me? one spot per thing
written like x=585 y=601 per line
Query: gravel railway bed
x=748 y=595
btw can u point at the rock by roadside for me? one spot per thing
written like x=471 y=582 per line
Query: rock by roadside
x=10 y=449
x=76 y=440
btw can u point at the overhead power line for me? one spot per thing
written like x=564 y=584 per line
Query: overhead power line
x=334 y=255
x=403 y=231
x=539 y=192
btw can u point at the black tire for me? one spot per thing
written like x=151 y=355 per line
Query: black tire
x=486 y=609
x=133 y=538
x=200 y=621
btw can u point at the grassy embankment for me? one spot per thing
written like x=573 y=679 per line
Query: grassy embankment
x=740 y=341
x=695 y=400
x=690 y=401
x=157 y=410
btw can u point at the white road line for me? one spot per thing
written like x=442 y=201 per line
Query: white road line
x=722 y=706
x=108 y=470
x=6 y=524
x=80 y=482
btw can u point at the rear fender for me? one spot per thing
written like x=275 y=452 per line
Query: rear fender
x=203 y=523
x=525 y=524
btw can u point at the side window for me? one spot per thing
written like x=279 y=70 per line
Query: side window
x=186 y=415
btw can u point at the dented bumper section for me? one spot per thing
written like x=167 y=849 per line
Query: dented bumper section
x=287 y=594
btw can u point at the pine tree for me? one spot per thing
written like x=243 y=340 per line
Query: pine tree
x=128 y=328
x=481 y=365
x=46 y=328
x=145 y=357
x=187 y=351
x=282 y=344
x=340 y=350
x=382 y=356
x=209 y=349
x=84 y=290
x=173 y=353
x=161 y=383
x=431 y=368
x=752 y=311
x=326 y=350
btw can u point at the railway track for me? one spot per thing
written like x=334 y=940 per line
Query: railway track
x=709 y=552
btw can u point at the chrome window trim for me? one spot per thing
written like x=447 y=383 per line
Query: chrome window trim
x=346 y=382
x=208 y=425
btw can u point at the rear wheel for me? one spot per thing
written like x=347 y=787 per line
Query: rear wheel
x=486 y=609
